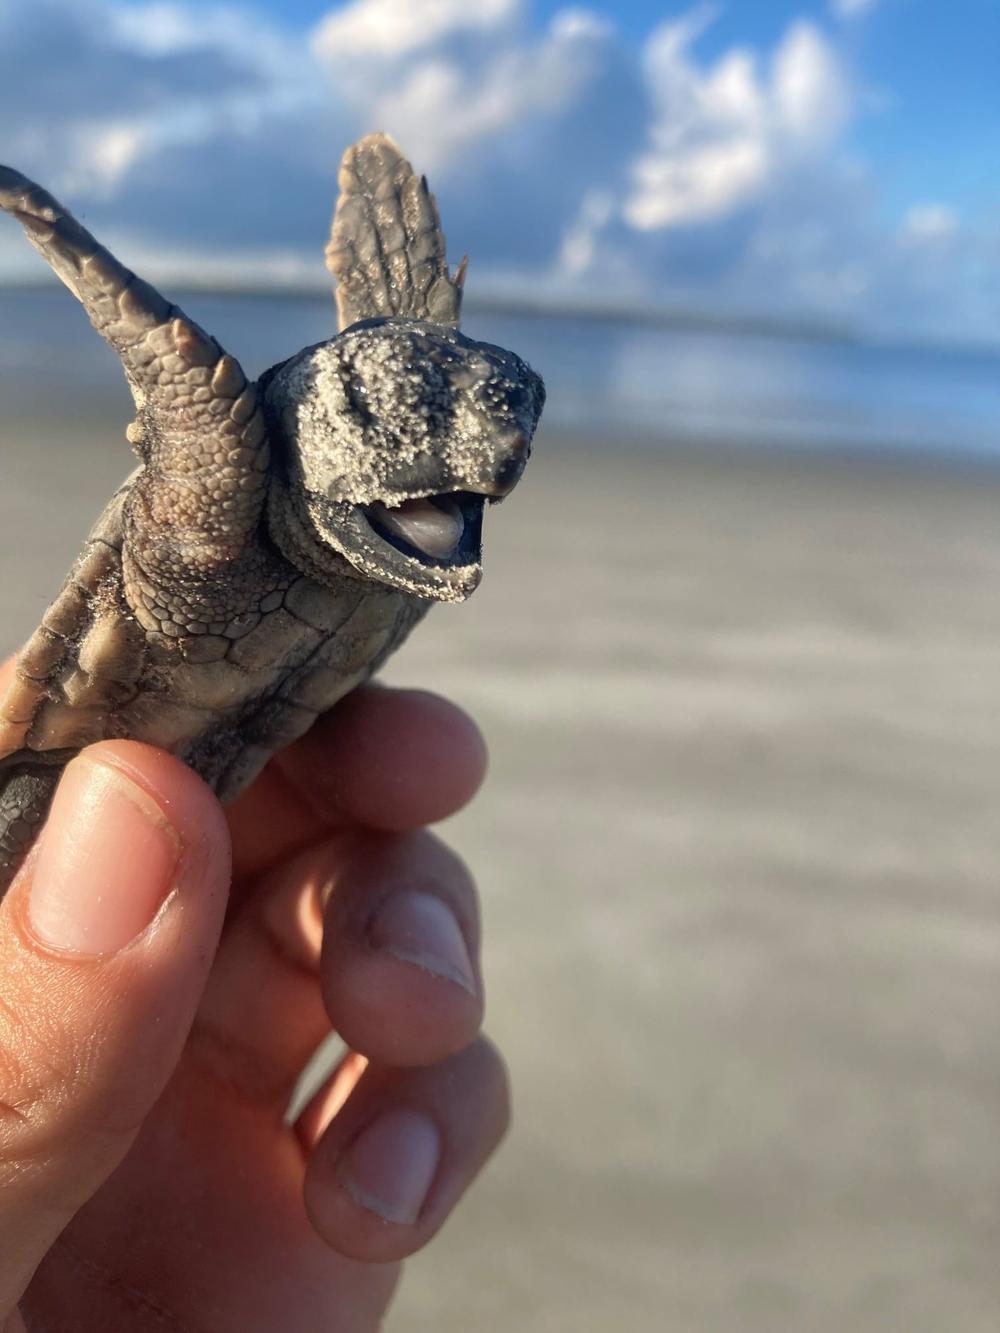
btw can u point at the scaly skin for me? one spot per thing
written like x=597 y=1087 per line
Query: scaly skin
x=278 y=540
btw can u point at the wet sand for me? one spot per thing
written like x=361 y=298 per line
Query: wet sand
x=740 y=859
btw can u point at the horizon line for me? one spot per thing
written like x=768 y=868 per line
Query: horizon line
x=787 y=328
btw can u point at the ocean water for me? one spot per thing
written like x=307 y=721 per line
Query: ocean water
x=656 y=385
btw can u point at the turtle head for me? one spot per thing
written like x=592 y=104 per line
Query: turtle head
x=395 y=435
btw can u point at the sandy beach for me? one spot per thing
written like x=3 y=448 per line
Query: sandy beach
x=740 y=861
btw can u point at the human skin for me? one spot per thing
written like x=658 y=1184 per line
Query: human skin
x=147 y=1180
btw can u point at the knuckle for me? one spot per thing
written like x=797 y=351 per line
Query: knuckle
x=478 y=1077
x=380 y=864
x=493 y=1079
x=486 y=1068
x=426 y=854
x=454 y=881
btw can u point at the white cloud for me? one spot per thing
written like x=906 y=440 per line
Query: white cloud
x=446 y=75
x=703 y=182
x=849 y=9
x=579 y=249
x=568 y=24
x=386 y=30
x=90 y=89
x=811 y=89
x=162 y=28
x=928 y=224
x=112 y=150
x=724 y=132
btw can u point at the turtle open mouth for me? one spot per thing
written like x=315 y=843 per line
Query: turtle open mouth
x=435 y=529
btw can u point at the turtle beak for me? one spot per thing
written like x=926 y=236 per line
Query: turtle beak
x=512 y=460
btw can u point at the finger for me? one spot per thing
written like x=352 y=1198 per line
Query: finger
x=383 y=758
x=106 y=938
x=397 y=1158
x=398 y=967
x=262 y=1015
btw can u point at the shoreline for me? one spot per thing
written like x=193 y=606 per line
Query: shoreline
x=603 y=378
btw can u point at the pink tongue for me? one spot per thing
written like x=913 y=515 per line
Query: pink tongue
x=432 y=527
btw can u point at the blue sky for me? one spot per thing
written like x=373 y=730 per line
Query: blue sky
x=836 y=160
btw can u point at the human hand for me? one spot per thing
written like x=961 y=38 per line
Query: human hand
x=147 y=1180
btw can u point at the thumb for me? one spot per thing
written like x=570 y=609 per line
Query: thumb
x=106 y=938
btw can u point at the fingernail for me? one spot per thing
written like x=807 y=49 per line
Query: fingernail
x=389 y=1167
x=105 y=863
x=420 y=928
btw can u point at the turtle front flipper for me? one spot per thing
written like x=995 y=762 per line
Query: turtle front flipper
x=387 y=248
x=26 y=790
x=199 y=429
x=82 y=662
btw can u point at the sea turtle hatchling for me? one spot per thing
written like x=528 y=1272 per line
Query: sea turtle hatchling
x=280 y=539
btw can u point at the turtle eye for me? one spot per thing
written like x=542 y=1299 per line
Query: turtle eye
x=357 y=398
